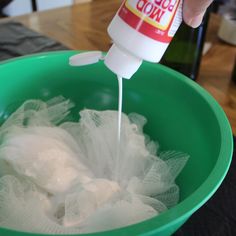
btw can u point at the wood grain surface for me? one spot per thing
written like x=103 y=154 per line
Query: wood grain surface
x=216 y=71
x=84 y=26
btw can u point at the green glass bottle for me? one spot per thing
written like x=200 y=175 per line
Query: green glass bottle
x=185 y=51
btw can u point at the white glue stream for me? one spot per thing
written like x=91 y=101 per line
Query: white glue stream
x=93 y=57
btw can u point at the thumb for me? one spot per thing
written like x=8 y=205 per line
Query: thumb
x=194 y=10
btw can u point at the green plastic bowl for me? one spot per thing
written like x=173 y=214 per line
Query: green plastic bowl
x=181 y=116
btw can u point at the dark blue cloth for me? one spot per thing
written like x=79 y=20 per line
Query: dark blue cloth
x=218 y=216
x=17 y=40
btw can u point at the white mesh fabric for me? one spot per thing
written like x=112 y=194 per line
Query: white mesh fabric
x=24 y=208
x=121 y=213
x=42 y=155
x=63 y=177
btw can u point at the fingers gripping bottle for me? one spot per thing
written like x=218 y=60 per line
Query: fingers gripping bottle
x=141 y=30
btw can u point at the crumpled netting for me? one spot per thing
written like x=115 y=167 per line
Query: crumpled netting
x=61 y=177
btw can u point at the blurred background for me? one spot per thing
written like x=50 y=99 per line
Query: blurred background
x=20 y=7
x=184 y=54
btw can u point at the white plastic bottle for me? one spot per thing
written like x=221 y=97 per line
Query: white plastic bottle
x=141 y=30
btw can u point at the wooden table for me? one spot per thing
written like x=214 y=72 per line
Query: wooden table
x=83 y=26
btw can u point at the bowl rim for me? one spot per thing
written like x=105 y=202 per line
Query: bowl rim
x=184 y=209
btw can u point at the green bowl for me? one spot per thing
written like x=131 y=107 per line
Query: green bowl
x=181 y=116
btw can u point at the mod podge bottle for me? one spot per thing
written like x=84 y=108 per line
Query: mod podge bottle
x=141 y=30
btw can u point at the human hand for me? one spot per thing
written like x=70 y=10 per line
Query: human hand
x=194 y=10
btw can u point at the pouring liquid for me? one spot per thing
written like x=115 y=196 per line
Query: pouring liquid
x=120 y=102
x=120 y=82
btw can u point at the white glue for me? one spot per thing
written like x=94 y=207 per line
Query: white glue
x=120 y=83
x=120 y=102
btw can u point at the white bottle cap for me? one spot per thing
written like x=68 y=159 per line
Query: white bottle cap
x=122 y=62
x=85 y=58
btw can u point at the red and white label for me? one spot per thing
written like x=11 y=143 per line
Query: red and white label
x=153 y=18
